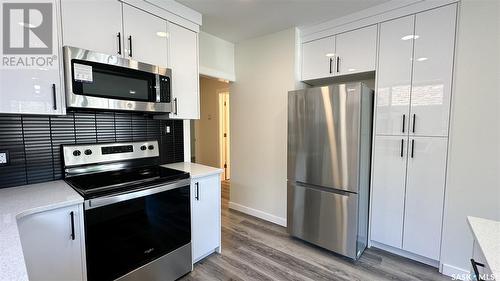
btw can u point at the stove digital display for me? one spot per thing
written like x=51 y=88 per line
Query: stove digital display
x=117 y=149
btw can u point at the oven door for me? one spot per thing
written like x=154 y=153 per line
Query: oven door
x=100 y=81
x=128 y=231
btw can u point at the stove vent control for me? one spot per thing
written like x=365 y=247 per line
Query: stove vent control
x=151 y=147
x=77 y=153
x=87 y=152
x=143 y=147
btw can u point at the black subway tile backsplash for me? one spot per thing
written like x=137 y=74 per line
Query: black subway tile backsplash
x=34 y=142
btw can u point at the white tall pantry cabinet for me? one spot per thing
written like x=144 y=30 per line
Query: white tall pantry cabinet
x=411 y=130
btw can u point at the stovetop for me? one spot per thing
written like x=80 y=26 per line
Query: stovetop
x=123 y=180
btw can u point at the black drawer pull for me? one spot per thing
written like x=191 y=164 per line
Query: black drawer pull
x=197 y=196
x=72 y=214
x=475 y=264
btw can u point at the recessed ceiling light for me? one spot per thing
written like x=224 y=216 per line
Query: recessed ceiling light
x=351 y=69
x=422 y=59
x=330 y=55
x=409 y=37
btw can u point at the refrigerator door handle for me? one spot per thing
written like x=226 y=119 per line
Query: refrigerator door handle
x=340 y=191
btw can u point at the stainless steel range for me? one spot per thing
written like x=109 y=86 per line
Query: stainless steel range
x=137 y=213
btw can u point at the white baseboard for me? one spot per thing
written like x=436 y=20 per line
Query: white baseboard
x=454 y=272
x=257 y=213
x=405 y=254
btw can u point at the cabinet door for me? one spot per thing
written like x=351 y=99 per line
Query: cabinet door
x=388 y=190
x=356 y=50
x=394 y=76
x=185 y=77
x=206 y=216
x=50 y=250
x=318 y=58
x=30 y=76
x=425 y=196
x=93 y=25
x=432 y=71
x=145 y=37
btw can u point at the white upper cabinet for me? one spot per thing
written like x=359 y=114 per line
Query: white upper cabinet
x=93 y=25
x=31 y=80
x=432 y=71
x=388 y=190
x=185 y=78
x=356 y=51
x=145 y=37
x=425 y=196
x=394 y=76
x=318 y=58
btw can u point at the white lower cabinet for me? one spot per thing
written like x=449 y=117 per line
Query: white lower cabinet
x=424 y=202
x=408 y=193
x=389 y=168
x=53 y=244
x=206 y=216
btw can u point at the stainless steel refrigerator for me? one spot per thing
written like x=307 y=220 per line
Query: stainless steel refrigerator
x=329 y=155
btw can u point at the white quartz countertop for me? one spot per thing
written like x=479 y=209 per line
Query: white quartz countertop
x=196 y=170
x=487 y=235
x=17 y=202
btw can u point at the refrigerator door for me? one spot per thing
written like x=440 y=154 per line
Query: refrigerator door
x=324 y=136
x=327 y=219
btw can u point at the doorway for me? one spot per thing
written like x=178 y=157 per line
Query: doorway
x=224 y=136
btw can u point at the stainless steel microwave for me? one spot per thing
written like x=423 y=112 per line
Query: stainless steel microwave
x=99 y=81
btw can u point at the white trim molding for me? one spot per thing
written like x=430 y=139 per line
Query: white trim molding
x=214 y=73
x=374 y=15
x=405 y=254
x=454 y=272
x=257 y=213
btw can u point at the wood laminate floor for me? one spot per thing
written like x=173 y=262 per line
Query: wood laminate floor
x=253 y=249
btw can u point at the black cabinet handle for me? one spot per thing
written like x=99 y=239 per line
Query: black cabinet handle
x=475 y=264
x=175 y=106
x=412 y=147
x=197 y=196
x=119 y=37
x=414 y=117
x=404 y=122
x=338 y=64
x=331 y=61
x=402 y=147
x=72 y=214
x=130 y=46
x=54 y=97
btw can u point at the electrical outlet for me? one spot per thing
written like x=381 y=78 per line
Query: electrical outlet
x=4 y=158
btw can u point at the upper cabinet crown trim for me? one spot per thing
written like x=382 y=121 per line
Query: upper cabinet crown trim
x=175 y=13
x=374 y=15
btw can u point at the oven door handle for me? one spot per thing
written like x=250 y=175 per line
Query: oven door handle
x=103 y=201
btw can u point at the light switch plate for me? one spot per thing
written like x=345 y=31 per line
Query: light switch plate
x=4 y=158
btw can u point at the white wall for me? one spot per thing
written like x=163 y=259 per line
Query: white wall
x=265 y=72
x=216 y=57
x=473 y=181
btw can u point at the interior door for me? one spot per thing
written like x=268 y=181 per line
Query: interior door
x=394 y=76
x=323 y=136
x=145 y=37
x=432 y=71
x=425 y=185
x=318 y=58
x=356 y=50
x=93 y=25
x=388 y=190
x=185 y=77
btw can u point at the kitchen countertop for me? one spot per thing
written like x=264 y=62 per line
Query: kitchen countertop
x=196 y=170
x=17 y=202
x=487 y=235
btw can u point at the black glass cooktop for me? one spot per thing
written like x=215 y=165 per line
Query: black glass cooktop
x=105 y=183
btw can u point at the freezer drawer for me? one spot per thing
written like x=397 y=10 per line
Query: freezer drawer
x=324 y=218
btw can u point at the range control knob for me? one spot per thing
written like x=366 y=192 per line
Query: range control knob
x=151 y=147
x=143 y=147
x=87 y=152
x=77 y=153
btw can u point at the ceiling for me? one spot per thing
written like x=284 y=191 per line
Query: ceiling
x=237 y=20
